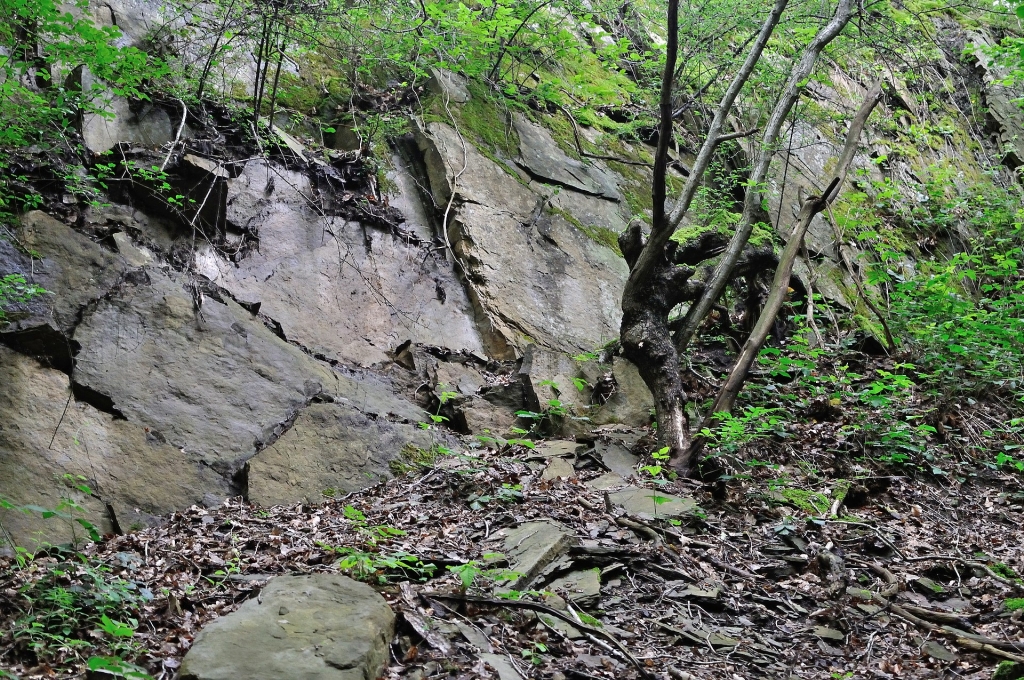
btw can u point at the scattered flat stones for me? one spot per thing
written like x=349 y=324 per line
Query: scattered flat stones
x=556 y=448
x=926 y=586
x=826 y=633
x=617 y=458
x=607 y=481
x=501 y=664
x=532 y=546
x=652 y=503
x=697 y=593
x=315 y=627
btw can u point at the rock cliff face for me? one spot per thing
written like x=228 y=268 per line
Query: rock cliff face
x=285 y=346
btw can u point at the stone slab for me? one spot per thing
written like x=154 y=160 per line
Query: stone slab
x=652 y=503
x=315 y=627
x=532 y=546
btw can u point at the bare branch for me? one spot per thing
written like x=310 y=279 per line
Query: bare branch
x=641 y=273
x=780 y=285
x=737 y=135
x=794 y=86
x=665 y=105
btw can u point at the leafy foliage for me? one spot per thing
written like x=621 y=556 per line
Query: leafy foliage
x=14 y=289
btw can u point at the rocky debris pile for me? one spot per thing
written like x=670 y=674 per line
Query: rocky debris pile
x=497 y=567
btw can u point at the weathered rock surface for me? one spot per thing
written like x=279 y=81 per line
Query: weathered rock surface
x=616 y=457
x=531 y=546
x=1001 y=99
x=316 y=627
x=132 y=470
x=652 y=503
x=144 y=124
x=630 y=402
x=213 y=381
x=558 y=468
x=447 y=84
x=541 y=157
x=371 y=290
x=536 y=276
x=331 y=448
x=548 y=375
x=582 y=586
x=75 y=270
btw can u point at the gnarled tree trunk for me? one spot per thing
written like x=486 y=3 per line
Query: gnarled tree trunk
x=658 y=280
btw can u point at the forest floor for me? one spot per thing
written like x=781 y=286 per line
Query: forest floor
x=913 y=578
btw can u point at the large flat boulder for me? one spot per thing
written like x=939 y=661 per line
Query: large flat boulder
x=531 y=546
x=652 y=503
x=331 y=448
x=315 y=627
x=536 y=275
x=214 y=381
x=127 y=468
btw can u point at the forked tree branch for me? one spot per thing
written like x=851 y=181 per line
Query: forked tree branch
x=642 y=273
x=780 y=285
x=763 y=158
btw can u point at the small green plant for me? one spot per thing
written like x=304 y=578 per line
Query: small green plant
x=661 y=456
x=1006 y=571
x=14 y=289
x=533 y=654
x=116 y=667
x=436 y=418
x=474 y=571
x=508 y=493
x=72 y=602
x=417 y=458
x=735 y=431
x=1013 y=604
x=381 y=566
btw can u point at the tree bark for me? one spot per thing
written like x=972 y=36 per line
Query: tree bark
x=656 y=284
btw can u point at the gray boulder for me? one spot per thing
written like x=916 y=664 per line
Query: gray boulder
x=214 y=381
x=532 y=546
x=76 y=272
x=630 y=402
x=116 y=120
x=133 y=475
x=447 y=84
x=315 y=627
x=371 y=289
x=548 y=375
x=331 y=448
x=537 y=277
